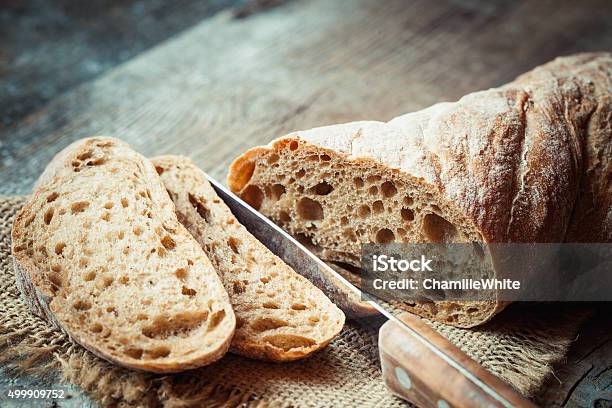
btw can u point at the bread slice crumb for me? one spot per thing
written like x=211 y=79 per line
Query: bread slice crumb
x=281 y=315
x=99 y=252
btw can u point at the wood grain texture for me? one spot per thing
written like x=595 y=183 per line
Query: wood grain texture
x=48 y=47
x=228 y=84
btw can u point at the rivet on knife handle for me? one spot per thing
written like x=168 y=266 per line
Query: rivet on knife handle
x=412 y=371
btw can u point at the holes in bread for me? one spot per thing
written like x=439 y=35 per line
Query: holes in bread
x=373 y=179
x=264 y=279
x=96 y=162
x=165 y=326
x=408 y=201
x=233 y=243
x=373 y=190
x=407 y=214
x=289 y=341
x=471 y=310
x=159 y=170
x=201 y=209
x=168 y=242
x=133 y=352
x=284 y=217
x=323 y=188
x=137 y=231
x=29 y=220
x=305 y=240
x=298 y=306
x=271 y=305
x=378 y=207
x=273 y=158
x=52 y=197
x=277 y=190
x=216 y=319
x=244 y=175
x=293 y=145
x=59 y=248
x=79 y=207
x=253 y=196
x=300 y=173
x=82 y=305
x=385 y=236
x=437 y=229
x=388 y=189
x=109 y=205
x=124 y=280
x=349 y=234
x=188 y=291
x=238 y=287
x=309 y=209
x=48 y=215
x=325 y=157
x=85 y=155
x=262 y=324
x=364 y=211
x=124 y=202
x=181 y=273
x=89 y=276
x=96 y=328
x=358 y=182
x=56 y=279
x=158 y=352
x=344 y=221
x=105 y=216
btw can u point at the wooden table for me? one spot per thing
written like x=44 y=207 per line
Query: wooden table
x=241 y=78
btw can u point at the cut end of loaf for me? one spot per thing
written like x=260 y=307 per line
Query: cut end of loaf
x=99 y=252
x=335 y=203
x=281 y=316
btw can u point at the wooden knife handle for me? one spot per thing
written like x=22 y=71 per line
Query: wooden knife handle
x=414 y=372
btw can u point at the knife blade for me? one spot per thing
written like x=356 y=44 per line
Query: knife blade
x=477 y=387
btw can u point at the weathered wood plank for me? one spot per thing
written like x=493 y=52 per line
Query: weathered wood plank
x=585 y=380
x=228 y=84
x=48 y=47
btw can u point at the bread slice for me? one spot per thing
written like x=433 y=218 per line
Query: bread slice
x=99 y=252
x=502 y=165
x=280 y=315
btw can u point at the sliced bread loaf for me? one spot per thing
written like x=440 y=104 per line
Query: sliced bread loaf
x=280 y=315
x=522 y=163
x=99 y=252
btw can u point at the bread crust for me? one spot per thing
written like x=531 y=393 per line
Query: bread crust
x=525 y=162
x=32 y=277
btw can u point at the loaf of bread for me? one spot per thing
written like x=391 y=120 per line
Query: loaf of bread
x=99 y=252
x=526 y=162
x=280 y=315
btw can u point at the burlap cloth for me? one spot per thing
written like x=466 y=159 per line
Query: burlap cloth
x=520 y=346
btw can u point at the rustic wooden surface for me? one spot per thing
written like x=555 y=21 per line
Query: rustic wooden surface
x=48 y=47
x=230 y=83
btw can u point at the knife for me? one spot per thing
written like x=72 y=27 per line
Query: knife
x=418 y=364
